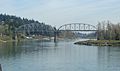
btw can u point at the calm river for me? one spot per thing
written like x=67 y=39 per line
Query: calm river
x=62 y=56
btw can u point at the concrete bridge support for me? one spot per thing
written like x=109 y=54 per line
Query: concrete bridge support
x=55 y=34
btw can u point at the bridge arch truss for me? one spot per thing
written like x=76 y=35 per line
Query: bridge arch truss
x=77 y=27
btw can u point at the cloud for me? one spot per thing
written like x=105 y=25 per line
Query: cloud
x=58 y=12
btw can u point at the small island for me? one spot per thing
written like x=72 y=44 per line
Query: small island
x=99 y=42
x=108 y=34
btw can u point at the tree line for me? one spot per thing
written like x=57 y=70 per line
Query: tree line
x=9 y=24
x=108 y=31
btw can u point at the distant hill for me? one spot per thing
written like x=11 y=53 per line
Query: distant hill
x=86 y=35
x=25 y=25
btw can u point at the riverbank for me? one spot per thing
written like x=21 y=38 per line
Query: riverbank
x=99 y=42
x=4 y=39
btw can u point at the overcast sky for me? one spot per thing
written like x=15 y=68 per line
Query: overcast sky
x=59 y=12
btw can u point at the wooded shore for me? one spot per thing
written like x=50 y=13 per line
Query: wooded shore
x=99 y=42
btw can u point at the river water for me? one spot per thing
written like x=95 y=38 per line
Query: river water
x=60 y=56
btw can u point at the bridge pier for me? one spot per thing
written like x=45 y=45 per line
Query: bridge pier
x=55 y=34
x=55 y=38
x=14 y=36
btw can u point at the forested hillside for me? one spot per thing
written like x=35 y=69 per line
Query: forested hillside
x=10 y=23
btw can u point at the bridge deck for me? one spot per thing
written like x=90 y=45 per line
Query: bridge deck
x=77 y=30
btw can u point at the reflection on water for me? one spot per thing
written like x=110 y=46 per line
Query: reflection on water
x=109 y=58
x=61 y=56
x=13 y=49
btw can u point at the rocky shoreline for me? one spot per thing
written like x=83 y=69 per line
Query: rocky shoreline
x=99 y=42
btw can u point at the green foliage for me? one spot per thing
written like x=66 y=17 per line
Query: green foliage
x=5 y=38
x=9 y=24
